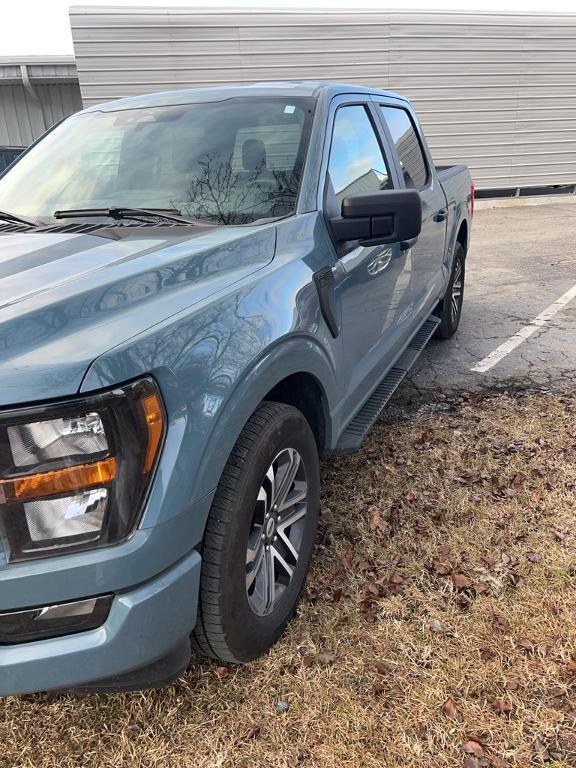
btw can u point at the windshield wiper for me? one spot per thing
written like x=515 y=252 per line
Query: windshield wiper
x=168 y=214
x=17 y=219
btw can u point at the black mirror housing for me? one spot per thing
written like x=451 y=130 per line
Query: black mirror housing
x=377 y=218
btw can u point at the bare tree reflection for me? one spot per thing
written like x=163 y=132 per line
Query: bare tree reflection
x=219 y=193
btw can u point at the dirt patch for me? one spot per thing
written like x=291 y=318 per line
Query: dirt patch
x=438 y=627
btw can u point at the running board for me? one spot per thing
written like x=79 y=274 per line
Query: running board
x=354 y=434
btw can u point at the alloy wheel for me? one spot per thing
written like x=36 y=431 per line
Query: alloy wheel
x=457 y=292
x=276 y=532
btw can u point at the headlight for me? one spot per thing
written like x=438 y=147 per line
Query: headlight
x=75 y=475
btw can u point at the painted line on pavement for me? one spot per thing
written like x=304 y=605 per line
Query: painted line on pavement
x=524 y=333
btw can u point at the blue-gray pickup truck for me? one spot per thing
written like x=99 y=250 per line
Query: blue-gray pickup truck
x=202 y=294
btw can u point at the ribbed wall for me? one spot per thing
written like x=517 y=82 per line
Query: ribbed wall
x=496 y=91
x=23 y=119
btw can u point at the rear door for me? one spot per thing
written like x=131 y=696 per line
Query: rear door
x=371 y=283
x=427 y=254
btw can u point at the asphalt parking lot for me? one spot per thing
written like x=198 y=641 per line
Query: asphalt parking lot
x=521 y=261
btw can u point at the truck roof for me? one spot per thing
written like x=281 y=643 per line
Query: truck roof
x=302 y=88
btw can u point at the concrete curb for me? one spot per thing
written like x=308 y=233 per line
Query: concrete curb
x=514 y=202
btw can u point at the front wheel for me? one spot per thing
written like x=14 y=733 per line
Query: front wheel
x=450 y=307
x=259 y=536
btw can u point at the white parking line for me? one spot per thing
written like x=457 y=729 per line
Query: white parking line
x=524 y=333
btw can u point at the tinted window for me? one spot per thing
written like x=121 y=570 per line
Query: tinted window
x=8 y=155
x=356 y=160
x=407 y=145
x=230 y=162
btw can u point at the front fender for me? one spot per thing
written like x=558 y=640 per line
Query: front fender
x=296 y=354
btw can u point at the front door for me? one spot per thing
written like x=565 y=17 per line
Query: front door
x=371 y=283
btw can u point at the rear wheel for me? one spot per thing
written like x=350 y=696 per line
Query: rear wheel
x=259 y=536
x=450 y=308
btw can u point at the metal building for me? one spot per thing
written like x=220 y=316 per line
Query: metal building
x=35 y=92
x=497 y=91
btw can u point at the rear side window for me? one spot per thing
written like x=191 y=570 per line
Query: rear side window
x=356 y=162
x=407 y=143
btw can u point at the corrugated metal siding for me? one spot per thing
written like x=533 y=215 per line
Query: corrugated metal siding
x=496 y=91
x=58 y=71
x=23 y=119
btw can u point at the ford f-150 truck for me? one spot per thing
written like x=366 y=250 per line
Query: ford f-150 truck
x=202 y=294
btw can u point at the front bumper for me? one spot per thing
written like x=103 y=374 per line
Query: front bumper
x=146 y=624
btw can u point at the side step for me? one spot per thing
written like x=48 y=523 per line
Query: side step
x=354 y=434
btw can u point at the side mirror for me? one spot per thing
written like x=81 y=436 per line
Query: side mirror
x=377 y=218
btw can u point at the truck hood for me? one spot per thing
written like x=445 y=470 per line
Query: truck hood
x=67 y=298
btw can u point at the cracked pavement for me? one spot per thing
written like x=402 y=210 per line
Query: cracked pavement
x=520 y=261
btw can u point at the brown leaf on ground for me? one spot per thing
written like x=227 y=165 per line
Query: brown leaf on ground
x=533 y=557
x=541 y=750
x=326 y=658
x=368 y=609
x=467 y=476
x=307 y=660
x=380 y=689
x=222 y=673
x=348 y=557
x=461 y=581
x=502 y=706
x=396 y=583
x=487 y=654
x=372 y=588
x=311 y=592
x=382 y=668
x=441 y=567
x=500 y=622
x=251 y=733
x=518 y=481
x=480 y=587
x=297 y=759
x=527 y=645
x=514 y=579
x=450 y=710
x=473 y=748
x=481 y=738
x=378 y=523
x=498 y=762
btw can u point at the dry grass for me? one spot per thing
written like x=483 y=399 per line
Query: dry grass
x=441 y=613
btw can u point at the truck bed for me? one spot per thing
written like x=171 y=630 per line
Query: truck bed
x=456 y=183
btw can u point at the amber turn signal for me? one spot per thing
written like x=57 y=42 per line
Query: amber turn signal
x=155 y=422
x=59 y=481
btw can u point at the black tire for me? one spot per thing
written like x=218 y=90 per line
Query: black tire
x=228 y=628
x=450 y=314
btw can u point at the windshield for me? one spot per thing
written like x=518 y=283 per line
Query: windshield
x=229 y=162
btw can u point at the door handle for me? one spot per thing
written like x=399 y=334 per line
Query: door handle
x=405 y=245
x=441 y=215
